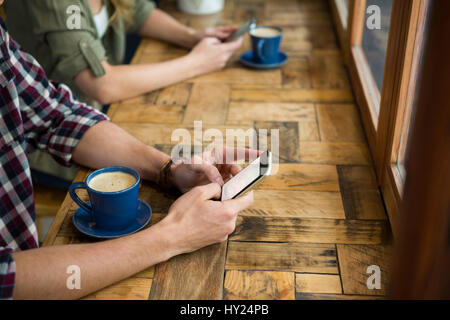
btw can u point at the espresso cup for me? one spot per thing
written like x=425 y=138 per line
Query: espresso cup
x=110 y=209
x=266 y=43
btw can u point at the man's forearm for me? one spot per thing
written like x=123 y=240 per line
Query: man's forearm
x=42 y=273
x=106 y=144
x=162 y=26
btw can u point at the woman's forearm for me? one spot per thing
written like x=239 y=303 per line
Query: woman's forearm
x=160 y=25
x=127 y=81
x=132 y=80
x=42 y=273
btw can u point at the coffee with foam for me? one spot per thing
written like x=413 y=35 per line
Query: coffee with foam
x=112 y=181
x=265 y=32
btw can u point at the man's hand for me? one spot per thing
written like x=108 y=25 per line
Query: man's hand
x=215 y=166
x=195 y=221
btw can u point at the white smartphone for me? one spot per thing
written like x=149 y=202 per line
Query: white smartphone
x=248 y=177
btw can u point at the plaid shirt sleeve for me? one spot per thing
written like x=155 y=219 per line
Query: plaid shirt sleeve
x=53 y=119
x=7 y=273
x=35 y=113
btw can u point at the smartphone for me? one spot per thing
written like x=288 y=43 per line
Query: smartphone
x=242 y=30
x=248 y=177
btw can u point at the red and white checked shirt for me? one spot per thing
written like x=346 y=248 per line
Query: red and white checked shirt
x=34 y=114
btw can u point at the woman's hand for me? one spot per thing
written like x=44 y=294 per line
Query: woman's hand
x=215 y=166
x=220 y=33
x=210 y=54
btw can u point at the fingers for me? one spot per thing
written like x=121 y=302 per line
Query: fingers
x=211 y=40
x=225 y=156
x=239 y=204
x=231 y=209
x=229 y=170
x=228 y=28
x=235 y=169
x=225 y=31
x=233 y=45
x=208 y=191
x=226 y=47
x=222 y=35
x=210 y=171
x=230 y=154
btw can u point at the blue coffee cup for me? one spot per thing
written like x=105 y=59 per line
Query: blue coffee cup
x=111 y=211
x=266 y=48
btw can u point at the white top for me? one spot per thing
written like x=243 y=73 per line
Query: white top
x=101 y=21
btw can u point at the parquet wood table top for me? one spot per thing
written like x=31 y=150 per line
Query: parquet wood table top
x=319 y=222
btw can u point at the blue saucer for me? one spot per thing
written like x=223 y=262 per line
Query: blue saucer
x=85 y=225
x=247 y=59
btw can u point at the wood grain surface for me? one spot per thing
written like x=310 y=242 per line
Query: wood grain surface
x=319 y=222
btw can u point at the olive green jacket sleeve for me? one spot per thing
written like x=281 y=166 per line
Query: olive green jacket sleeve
x=142 y=9
x=68 y=30
x=77 y=52
x=64 y=36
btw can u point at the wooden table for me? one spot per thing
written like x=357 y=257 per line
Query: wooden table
x=318 y=223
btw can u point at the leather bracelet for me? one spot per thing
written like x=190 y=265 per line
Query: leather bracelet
x=163 y=178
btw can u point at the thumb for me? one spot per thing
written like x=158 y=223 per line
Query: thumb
x=208 y=41
x=210 y=191
x=233 y=45
x=213 y=40
x=240 y=203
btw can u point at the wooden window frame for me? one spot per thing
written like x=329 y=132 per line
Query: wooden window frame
x=384 y=131
x=398 y=97
x=341 y=21
x=364 y=86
